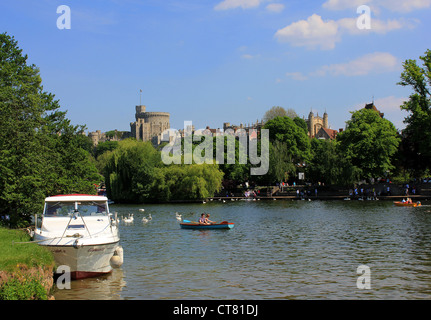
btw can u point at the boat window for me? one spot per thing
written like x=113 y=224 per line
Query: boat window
x=85 y=208
x=92 y=208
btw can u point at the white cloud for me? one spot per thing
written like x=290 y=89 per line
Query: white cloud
x=316 y=33
x=298 y=76
x=311 y=33
x=392 y=5
x=405 y=5
x=233 y=4
x=250 y=56
x=378 y=62
x=275 y=7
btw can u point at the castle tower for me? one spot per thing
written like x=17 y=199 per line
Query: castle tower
x=325 y=121
x=311 y=124
x=149 y=125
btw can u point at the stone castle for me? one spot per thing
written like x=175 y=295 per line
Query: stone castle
x=149 y=125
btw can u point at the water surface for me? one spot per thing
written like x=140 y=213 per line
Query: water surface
x=277 y=250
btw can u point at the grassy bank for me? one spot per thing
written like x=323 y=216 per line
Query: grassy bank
x=25 y=268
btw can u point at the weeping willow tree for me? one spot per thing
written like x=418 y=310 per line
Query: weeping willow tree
x=135 y=173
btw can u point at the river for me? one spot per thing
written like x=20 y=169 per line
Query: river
x=277 y=250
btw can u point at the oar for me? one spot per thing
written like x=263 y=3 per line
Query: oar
x=188 y=221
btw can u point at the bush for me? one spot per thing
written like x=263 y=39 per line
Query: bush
x=26 y=289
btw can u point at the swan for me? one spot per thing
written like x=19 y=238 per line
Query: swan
x=145 y=220
x=142 y=210
x=129 y=219
x=178 y=216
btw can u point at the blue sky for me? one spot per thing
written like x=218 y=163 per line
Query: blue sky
x=222 y=60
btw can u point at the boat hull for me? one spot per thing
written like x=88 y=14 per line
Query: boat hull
x=227 y=225
x=84 y=261
x=404 y=204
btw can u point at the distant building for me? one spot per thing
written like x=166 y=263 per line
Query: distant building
x=249 y=127
x=315 y=123
x=149 y=125
x=371 y=106
x=98 y=136
x=327 y=134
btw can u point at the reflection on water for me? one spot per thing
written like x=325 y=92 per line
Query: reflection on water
x=101 y=288
x=277 y=250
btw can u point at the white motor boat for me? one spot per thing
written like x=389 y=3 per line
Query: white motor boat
x=81 y=233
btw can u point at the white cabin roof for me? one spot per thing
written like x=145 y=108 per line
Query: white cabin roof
x=75 y=197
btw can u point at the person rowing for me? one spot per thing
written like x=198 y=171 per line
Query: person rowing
x=207 y=219
x=202 y=219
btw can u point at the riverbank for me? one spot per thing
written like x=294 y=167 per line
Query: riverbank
x=324 y=197
x=380 y=191
x=26 y=269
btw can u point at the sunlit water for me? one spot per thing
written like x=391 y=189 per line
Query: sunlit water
x=277 y=250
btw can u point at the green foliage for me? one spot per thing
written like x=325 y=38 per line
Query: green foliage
x=41 y=153
x=25 y=289
x=20 y=264
x=329 y=166
x=29 y=254
x=289 y=147
x=134 y=173
x=281 y=166
x=416 y=144
x=237 y=171
x=292 y=132
x=369 y=143
x=105 y=146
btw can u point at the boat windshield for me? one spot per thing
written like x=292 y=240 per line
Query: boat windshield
x=85 y=208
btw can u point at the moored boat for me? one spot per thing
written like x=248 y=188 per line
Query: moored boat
x=407 y=204
x=195 y=225
x=81 y=233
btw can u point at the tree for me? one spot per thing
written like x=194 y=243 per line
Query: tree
x=135 y=173
x=102 y=147
x=274 y=112
x=369 y=143
x=129 y=171
x=329 y=166
x=290 y=146
x=41 y=153
x=280 y=162
x=292 y=132
x=417 y=134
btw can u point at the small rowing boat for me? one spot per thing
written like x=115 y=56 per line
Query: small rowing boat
x=406 y=204
x=196 y=225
